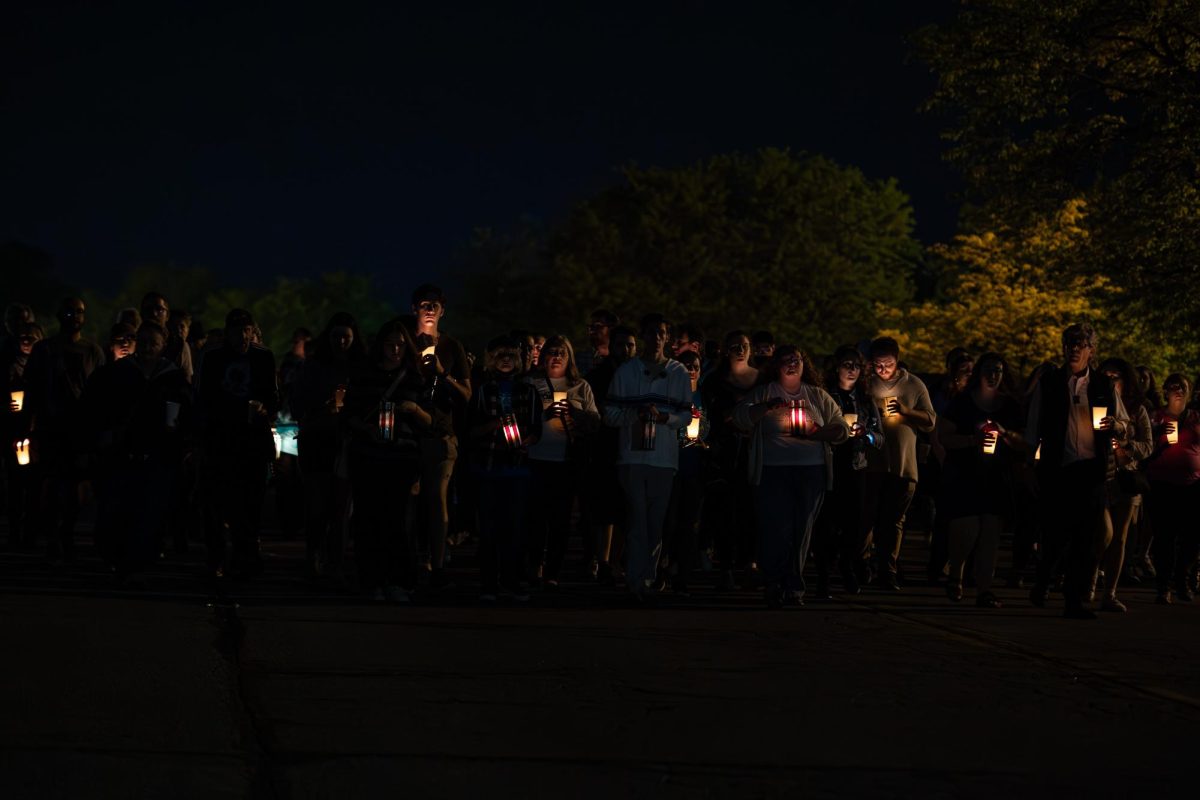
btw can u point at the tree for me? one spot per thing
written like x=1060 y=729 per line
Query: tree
x=1004 y=292
x=1098 y=99
x=794 y=243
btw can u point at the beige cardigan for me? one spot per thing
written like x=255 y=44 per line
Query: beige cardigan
x=815 y=397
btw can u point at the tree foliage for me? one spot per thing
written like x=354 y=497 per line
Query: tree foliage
x=1097 y=99
x=793 y=243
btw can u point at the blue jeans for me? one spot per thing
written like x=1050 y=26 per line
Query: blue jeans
x=788 y=500
x=503 y=500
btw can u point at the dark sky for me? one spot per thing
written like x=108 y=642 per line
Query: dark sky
x=298 y=138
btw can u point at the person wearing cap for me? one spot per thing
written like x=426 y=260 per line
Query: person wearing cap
x=237 y=398
x=449 y=374
x=1074 y=414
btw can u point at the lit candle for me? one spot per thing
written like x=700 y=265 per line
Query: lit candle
x=1098 y=414
x=1037 y=455
x=693 y=428
x=798 y=418
x=851 y=419
x=387 y=419
x=1172 y=431
x=560 y=397
x=512 y=433
x=18 y=400
x=990 y=438
x=428 y=351
x=889 y=406
x=23 y=452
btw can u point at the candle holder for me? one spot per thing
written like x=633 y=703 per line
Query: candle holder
x=1172 y=430
x=512 y=432
x=891 y=406
x=645 y=435
x=991 y=437
x=1098 y=415
x=387 y=420
x=16 y=401
x=24 y=453
x=693 y=428
x=798 y=416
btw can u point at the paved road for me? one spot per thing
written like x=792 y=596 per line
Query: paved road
x=159 y=693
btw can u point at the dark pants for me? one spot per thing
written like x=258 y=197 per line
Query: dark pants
x=233 y=490
x=1073 y=505
x=326 y=503
x=384 y=544
x=888 y=499
x=729 y=514
x=842 y=528
x=680 y=533
x=20 y=481
x=503 y=499
x=553 y=487
x=789 y=499
x=1176 y=532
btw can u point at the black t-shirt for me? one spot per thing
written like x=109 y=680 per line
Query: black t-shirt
x=976 y=482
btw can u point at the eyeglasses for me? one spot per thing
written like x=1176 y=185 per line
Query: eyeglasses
x=1172 y=387
x=850 y=366
x=124 y=341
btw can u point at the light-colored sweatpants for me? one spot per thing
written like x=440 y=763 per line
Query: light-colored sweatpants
x=647 y=495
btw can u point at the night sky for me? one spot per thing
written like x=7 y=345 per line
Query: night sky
x=300 y=138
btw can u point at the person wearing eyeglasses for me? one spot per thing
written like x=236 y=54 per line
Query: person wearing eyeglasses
x=1174 y=473
x=648 y=401
x=1074 y=415
x=556 y=459
x=449 y=374
x=906 y=410
x=980 y=431
x=1131 y=451
x=58 y=369
x=792 y=423
x=599 y=330
x=504 y=420
x=727 y=528
x=840 y=538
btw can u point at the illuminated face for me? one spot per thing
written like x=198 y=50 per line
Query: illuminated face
x=555 y=361
x=693 y=368
x=791 y=367
x=392 y=348
x=27 y=341
x=429 y=312
x=1176 y=398
x=848 y=372
x=121 y=347
x=885 y=367
x=739 y=349
x=341 y=338
x=991 y=374
x=1078 y=352
x=684 y=344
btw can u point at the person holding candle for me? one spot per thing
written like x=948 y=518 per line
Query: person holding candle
x=569 y=416
x=316 y=403
x=648 y=401
x=14 y=356
x=237 y=397
x=727 y=524
x=58 y=369
x=386 y=414
x=892 y=473
x=979 y=430
x=1174 y=473
x=792 y=423
x=687 y=490
x=1131 y=451
x=840 y=538
x=599 y=329
x=503 y=421
x=449 y=377
x=1074 y=414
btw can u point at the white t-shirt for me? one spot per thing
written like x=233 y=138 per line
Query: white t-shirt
x=780 y=448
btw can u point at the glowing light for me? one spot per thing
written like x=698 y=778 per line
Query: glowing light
x=23 y=455
x=17 y=399
x=1172 y=431
x=799 y=418
x=387 y=420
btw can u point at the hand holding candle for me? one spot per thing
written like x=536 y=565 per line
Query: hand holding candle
x=16 y=401
x=1171 y=429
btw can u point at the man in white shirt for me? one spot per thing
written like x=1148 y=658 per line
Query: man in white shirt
x=648 y=400
x=1073 y=416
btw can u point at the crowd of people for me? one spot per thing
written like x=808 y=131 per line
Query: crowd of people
x=665 y=453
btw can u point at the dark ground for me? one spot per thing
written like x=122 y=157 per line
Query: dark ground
x=106 y=692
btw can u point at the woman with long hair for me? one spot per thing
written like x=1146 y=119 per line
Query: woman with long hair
x=980 y=430
x=316 y=404
x=842 y=528
x=386 y=414
x=728 y=522
x=792 y=423
x=1131 y=451
x=1174 y=473
x=569 y=416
